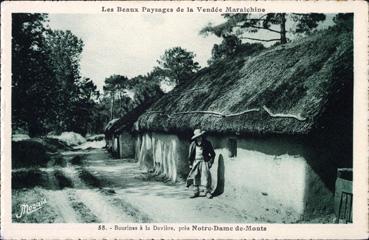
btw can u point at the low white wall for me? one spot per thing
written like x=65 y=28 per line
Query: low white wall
x=268 y=177
x=276 y=174
x=126 y=145
x=165 y=154
x=138 y=143
x=271 y=182
x=115 y=144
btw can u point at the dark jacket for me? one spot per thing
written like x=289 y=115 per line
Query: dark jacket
x=207 y=152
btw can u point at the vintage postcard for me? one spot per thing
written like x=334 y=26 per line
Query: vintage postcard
x=184 y=120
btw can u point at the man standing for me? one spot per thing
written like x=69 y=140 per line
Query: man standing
x=201 y=158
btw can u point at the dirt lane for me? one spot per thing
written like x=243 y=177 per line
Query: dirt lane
x=104 y=210
x=156 y=200
x=58 y=200
x=103 y=189
x=116 y=190
x=80 y=203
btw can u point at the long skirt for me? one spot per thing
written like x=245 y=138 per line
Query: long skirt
x=199 y=174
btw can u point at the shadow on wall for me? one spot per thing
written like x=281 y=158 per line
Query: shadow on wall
x=324 y=156
x=220 y=177
x=301 y=174
x=273 y=145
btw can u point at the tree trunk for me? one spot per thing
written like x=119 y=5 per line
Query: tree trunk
x=283 y=28
x=112 y=107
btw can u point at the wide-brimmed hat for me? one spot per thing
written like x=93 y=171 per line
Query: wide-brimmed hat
x=197 y=133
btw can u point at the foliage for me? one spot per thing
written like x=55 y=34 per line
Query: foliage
x=232 y=45
x=121 y=94
x=157 y=75
x=29 y=153
x=33 y=90
x=65 y=50
x=115 y=83
x=144 y=88
x=178 y=65
x=83 y=111
x=241 y=25
x=115 y=95
x=48 y=92
x=76 y=93
x=344 y=22
x=305 y=23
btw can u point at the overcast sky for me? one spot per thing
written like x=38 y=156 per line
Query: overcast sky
x=130 y=44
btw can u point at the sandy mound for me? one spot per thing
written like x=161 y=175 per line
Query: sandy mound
x=70 y=138
x=96 y=137
x=91 y=145
x=19 y=137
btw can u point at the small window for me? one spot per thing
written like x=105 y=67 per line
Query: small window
x=232 y=147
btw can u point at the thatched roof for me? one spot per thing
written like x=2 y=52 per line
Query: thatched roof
x=299 y=78
x=109 y=125
x=127 y=120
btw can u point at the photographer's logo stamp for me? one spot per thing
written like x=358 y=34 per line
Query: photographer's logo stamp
x=26 y=209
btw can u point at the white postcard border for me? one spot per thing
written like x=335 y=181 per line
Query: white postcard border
x=359 y=228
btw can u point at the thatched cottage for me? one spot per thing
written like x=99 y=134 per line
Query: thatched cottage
x=109 y=137
x=280 y=119
x=118 y=132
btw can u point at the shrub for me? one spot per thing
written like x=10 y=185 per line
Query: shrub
x=90 y=179
x=29 y=178
x=62 y=180
x=28 y=153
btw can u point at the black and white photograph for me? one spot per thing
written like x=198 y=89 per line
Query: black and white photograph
x=215 y=115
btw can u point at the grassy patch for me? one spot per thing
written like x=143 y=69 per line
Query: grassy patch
x=77 y=160
x=37 y=152
x=90 y=179
x=83 y=211
x=30 y=178
x=58 y=160
x=62 y=180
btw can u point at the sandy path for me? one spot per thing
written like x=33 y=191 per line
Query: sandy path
x=96 y=205
x=72 y=173
x=125 y=193
x=102 y=208
x=94 y=200
x=155 y=200
x=166 y=203
x=59 y=201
